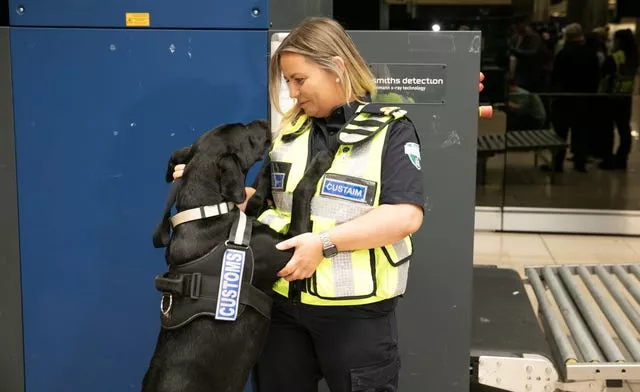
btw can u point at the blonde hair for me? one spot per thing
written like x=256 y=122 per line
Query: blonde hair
x=320 y=40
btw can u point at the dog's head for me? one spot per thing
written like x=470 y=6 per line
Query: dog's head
x=218 y=161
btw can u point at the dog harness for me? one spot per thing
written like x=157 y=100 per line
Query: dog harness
x=218 y=284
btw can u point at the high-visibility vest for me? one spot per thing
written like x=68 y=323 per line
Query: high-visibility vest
x=624 y=78
x=349 y=189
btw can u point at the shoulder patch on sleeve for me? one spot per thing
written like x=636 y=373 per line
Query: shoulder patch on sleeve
x=413 y=152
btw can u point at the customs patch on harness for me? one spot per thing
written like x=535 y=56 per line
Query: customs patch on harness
x=348 y=188
x=230 y=284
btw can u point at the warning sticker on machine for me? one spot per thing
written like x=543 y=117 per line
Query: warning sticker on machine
x=138 y=19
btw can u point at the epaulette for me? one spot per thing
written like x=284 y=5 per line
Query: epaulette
x=370 y=119
x=296 y=128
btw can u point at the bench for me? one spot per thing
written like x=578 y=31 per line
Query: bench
x=535 y=141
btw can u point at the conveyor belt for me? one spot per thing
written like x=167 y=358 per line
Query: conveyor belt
x=508 y=347
x=508 y=325
x=592 y=319
x=588 y=336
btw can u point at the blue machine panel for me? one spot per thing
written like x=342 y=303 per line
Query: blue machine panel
x=97 y=114
x=240 y=14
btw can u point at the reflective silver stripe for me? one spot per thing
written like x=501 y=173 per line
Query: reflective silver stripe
x=274 y=220
x=403 y=275
x=399 y=113
x=268 y=219
x=280 y=152
x=341 y=266
x=359 y=159
x=283 y=200
x=242 y=225
x=365 y=116
x=355 y=126
x=338 y=209
x=344 y=210
x=350 y=138
x=402 y=250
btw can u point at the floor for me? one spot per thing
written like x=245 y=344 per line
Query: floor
x=516 y=251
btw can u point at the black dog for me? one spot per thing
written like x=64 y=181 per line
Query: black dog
x=196 y=352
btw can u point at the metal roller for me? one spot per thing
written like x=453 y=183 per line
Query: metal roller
x=626 y=335
x=622 y=301
x=586 y=345
x=629 y=282
x=600 y=333
x=564 y=346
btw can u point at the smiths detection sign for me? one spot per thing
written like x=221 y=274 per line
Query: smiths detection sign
x=410 y=83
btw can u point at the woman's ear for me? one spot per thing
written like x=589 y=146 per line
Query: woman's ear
x=340 y=63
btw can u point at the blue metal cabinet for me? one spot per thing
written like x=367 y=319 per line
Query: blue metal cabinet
x=97 y=114
x=237 y=14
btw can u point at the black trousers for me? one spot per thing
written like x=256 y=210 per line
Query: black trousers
x=572 y=114
x=619 y=111
x=354 y=348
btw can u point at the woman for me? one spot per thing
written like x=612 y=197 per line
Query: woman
x=619 y=72
x=334 y=306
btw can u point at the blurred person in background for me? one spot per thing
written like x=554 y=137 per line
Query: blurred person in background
x=619 y=72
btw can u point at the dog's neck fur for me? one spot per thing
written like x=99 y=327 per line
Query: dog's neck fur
x=198 y=190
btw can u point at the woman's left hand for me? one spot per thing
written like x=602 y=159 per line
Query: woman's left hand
x=306 y=257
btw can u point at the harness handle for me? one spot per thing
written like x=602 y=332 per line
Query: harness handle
x=240 y=233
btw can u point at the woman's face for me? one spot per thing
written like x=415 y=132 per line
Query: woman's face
x=314 y=88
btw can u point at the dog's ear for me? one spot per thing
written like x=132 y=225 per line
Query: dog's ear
x=178 y=157
x=231 y=180
x=260 y=123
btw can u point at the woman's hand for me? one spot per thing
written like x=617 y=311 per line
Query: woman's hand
x=178 y=170
x=306 y=257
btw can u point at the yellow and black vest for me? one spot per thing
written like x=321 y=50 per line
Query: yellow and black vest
x=623 y=81
x=350 y=188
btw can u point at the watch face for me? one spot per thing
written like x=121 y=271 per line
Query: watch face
x=330 y=252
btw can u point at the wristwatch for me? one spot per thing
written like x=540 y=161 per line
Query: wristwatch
x=328 y=247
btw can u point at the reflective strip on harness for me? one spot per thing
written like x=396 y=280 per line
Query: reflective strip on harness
x=201 y=213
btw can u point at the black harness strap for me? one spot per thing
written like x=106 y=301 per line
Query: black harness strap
x=192 y=289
